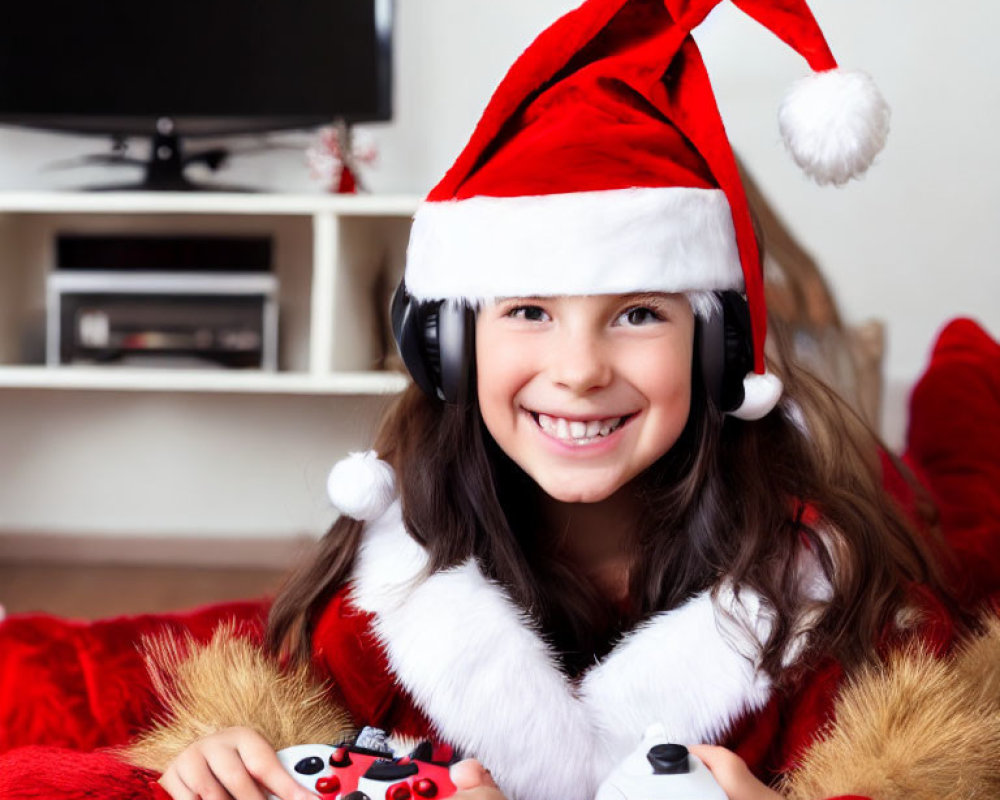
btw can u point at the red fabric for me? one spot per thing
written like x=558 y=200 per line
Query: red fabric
x=953 y=445
x=348 y=651
x=548 y=54
x=69 y=688
x=59 y=773
x=83 y=685
x=614 y=95
x=793 y=23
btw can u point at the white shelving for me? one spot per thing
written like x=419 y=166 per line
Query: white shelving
x=336 y=259
x=128 y=379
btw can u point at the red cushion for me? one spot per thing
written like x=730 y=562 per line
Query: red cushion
x=83 y=684
x=55 y=773
x=953 y=444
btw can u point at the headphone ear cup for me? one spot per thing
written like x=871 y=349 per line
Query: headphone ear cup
x=709 y=335
x=408 y=331
x=726 y=352
x=435 y=341
x=455 y=333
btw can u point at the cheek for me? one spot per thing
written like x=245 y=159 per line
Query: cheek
x=673 y=386
x=668 y=389
x=499 y=376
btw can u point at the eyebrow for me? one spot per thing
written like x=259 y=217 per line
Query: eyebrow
x=649 y=297
x=638 y=298
x=524 y=297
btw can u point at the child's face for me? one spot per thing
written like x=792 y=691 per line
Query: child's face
x=585 y=392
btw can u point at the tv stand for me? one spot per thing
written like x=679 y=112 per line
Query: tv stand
x=162 y=460
x=164 y=170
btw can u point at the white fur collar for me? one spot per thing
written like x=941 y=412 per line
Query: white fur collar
x=474 y=664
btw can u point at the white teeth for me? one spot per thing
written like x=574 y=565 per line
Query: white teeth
x=577 y=431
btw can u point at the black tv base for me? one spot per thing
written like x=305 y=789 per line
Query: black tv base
x=164 y=170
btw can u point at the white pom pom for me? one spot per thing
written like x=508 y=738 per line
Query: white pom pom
x=761 y=393
x=834 y=123
x=362 y=485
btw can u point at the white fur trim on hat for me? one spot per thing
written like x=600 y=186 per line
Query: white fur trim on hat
x=362 y=485
x=834 y=123
x=668 y=239
x=761 y=393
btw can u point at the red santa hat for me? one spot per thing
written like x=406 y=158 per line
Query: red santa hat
x=601 y=165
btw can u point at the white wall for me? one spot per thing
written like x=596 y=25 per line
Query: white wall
x=912 y=244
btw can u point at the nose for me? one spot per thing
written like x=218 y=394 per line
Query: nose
x=579 y=360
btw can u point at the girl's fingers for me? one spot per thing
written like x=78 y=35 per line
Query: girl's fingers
x=170 y=787
x=233 y=774
x=732 y=774
x=194 y=775
x=233 y=764
x=263 y=764
x=470 y=774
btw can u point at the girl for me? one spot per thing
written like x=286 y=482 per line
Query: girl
x=600 y=508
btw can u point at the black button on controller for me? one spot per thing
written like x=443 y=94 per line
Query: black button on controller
x=669 y=759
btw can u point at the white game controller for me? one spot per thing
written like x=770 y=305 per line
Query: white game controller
x=659 y=770
x=310 y=765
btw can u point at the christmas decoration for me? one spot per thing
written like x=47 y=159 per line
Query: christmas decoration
x=334 y=156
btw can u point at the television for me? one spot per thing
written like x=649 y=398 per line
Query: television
x=189 y=68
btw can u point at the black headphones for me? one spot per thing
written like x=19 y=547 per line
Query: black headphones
x=436 y=342
x=724 y=345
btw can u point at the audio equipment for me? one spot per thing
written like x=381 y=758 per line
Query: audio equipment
x=436 y=342
x=725 y=350
x=193 y=301
x=162 y=253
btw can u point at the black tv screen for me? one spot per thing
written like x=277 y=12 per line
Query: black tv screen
x=212 y=66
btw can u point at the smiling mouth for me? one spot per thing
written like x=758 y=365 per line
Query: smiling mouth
x=579 y=432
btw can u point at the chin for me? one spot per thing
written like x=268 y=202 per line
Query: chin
x=579 y=494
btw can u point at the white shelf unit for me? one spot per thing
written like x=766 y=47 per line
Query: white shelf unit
x=336 y=259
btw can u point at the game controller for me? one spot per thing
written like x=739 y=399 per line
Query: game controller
x=349 y=772
x=660 y=770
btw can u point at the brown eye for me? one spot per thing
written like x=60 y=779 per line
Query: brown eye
x=530 y=313
x=640 y=315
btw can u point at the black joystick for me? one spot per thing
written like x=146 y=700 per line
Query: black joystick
x=660 y=770
x=669 y=759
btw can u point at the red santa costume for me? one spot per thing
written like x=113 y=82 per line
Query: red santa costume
x=451 y=658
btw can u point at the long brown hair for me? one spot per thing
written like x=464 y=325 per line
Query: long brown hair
x=726 y=504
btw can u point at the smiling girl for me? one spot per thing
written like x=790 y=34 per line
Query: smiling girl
x=566 y=390
x=600 y=507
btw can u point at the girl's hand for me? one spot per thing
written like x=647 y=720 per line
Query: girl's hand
x=732 y=774
x=233 y=764
x=474 y=782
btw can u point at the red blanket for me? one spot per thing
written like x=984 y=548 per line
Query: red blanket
x=953 y=445
x=68 y=689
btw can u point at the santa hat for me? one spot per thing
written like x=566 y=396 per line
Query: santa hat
x=601 y=165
